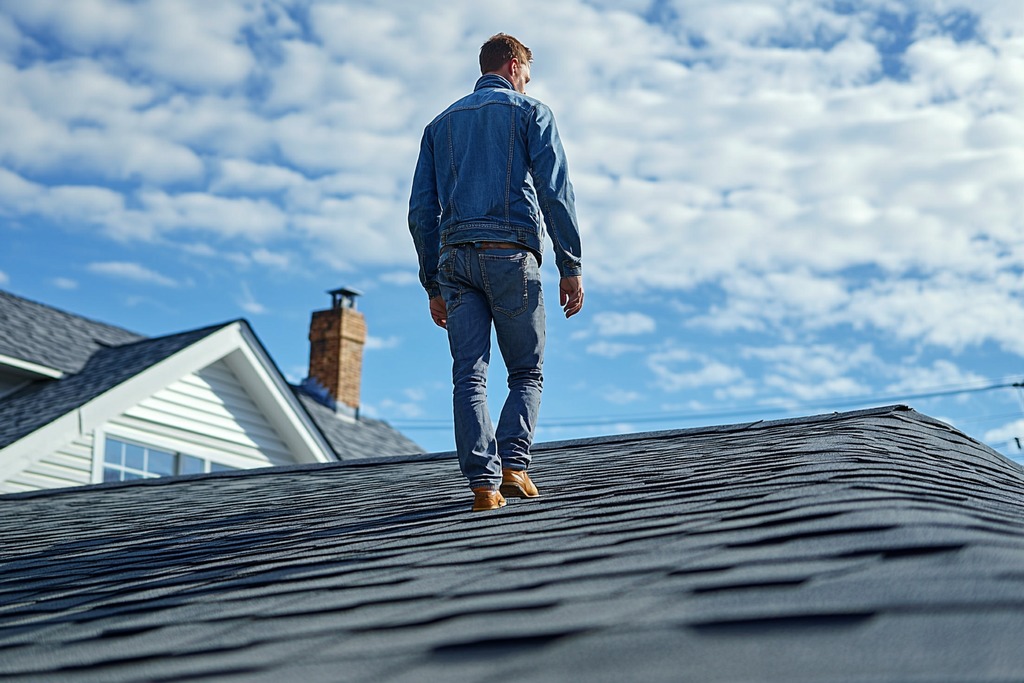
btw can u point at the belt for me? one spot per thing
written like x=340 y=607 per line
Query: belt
x=497 y=245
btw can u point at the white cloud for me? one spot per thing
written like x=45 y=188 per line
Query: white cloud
x=612 y=349
x=241 y=175
x=392 y=409
x=127 y=270
x=248 y=302
x=274 y=259
x=620 y=396
x=776 y=166
x=377 y=343
x=10 y=37
x=612 y=324
x=198 y=45
x=64 y=283
x=254 y=219
x=778 y=297
x=68 y=205
x=81 y=25
x=4 y=278
x=678 y=369
x=188 y=42
x=357 y=230
x=814 y=371
x=1009 y=434
x=74 y=116
x=401 y=278
x=942 y=374
x=947 y=311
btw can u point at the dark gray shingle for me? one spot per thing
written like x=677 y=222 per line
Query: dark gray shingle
x=359 y=438
x=46 y=336
x=879 y=545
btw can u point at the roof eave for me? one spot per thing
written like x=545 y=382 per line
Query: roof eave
x=28 y=369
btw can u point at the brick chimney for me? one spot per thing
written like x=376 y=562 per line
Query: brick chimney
x=336 y=340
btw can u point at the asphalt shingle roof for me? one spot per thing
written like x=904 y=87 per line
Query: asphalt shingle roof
x=39 y=403
x=50 y=337
x=878 y=545
x=358 y=438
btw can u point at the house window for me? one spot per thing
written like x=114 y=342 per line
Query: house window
x=124 y=461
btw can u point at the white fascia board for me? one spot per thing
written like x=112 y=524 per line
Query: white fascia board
x=275 y=398
x=29 y=369
x=30 y=448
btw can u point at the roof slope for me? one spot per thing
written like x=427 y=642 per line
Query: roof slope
x=39 y=403
x=46 y=336
x=870 y=546
x=357 y=438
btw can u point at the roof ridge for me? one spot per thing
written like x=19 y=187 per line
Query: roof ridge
x=204 y=330
x=545 y=446
x=725 y=428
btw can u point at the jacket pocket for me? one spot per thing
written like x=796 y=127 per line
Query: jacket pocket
x=505 y=281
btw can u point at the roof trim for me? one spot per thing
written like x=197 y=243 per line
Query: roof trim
x=29 y=369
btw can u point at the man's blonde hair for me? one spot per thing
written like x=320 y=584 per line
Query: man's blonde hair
x=499 y=49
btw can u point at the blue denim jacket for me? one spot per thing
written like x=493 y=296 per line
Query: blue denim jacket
x=489 y=165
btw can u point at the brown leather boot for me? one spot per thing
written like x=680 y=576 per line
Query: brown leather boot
x=487 y=499
x=517 y=484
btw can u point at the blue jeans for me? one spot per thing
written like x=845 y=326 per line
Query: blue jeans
x=502 y=287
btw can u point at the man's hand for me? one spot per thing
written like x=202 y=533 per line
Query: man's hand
x=570 y=295
x=439 y=312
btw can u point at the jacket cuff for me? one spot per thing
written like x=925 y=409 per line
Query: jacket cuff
x=433 y=289
x=569 y=270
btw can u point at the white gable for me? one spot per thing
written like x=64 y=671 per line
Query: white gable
x=234 y=409
x=207 y=413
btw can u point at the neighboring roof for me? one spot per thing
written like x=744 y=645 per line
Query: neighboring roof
x=356 y=438
x=97 y=357
x=878 y=545
x=46 y=336
x=40 y=403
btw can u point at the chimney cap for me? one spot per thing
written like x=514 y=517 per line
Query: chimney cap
x=344 y=297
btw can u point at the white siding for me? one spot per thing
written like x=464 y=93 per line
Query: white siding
x=68 y=466
x=208 y=413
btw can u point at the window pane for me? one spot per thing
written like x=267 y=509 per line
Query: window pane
x=160 y=463
x=192 y=465
x=217 y=467
x=129 y=476
x=111 y=474
x=135 y=457
x=113 y=452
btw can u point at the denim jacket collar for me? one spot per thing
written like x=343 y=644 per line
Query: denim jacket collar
x=492 y=81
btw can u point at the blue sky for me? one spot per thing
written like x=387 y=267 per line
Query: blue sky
x=788 y=206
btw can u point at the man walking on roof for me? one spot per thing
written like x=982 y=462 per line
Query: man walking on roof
x=488 y=165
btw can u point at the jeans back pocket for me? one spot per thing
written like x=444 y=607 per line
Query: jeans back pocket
x=505 y=281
